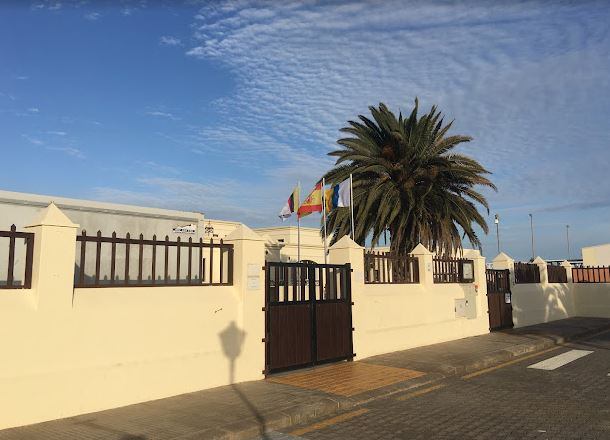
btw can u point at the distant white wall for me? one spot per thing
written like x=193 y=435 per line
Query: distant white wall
x=596 y=255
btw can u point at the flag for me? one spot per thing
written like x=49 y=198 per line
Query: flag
x=313 y=202
x=338 y=196
x=291 y=205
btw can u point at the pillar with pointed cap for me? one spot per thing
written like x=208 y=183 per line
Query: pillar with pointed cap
x=53 y=263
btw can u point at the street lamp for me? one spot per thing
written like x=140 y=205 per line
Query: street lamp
x=497 y=222
x=568 y=240
x=532 y=229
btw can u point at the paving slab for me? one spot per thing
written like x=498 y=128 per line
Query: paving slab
x=252 y=409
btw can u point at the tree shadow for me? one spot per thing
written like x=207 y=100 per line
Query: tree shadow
x=232 y=339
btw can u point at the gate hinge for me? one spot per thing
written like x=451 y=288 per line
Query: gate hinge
x=263 y=340
x=353 y=329
x=263 y=309
x=352 y=302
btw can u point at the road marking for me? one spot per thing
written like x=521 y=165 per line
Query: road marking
x=420 y=392
x=329 y=422
x=506 y=364
x=560 y=360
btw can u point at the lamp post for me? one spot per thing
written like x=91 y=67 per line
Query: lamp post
x=532 y=229
x=568 y=240
x=497 y=222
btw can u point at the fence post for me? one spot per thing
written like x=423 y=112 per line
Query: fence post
x=542 y=268
x=247 y=335
x=478 y=293
x=425 y=265
x=54 y=258
x=346 y=251
x=568 y=268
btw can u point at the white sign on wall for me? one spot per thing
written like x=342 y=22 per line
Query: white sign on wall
x=186 y=229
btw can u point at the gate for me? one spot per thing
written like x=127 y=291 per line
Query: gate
x=308 y=315
x=499 y=299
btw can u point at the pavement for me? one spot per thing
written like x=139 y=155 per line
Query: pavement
x=557 y=393
x=341 y=392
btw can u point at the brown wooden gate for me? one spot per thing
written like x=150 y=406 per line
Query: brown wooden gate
x=308 y=315
x=499 y=299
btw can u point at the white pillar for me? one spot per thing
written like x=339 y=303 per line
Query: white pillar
x=53 y=263
x=249 y=284
x=425 y=265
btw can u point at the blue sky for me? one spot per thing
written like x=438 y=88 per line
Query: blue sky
x=221 y=107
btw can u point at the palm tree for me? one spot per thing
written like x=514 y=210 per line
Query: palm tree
x=407 y=180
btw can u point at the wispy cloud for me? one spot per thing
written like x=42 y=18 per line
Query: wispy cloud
x=34 y=110
x=70 y=151
x=303 y=70
x=32 y=140
x=93 y=16
x=160 y=114
x=216 y=199
x=168 y=40
x=21 y=77
x=50 y=146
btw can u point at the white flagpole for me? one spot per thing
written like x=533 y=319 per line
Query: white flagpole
x=351 y=204
x=324 y=218
x=299 y=223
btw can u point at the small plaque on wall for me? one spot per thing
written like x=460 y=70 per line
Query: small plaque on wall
x=254 y=283
x=254 y=270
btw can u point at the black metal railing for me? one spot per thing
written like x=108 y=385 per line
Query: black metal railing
x=138 y=262
x=388 y=268
x=526 y=273
x=18 y=275
x=453 y=270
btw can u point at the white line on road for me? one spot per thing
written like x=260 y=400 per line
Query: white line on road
x=560 y=360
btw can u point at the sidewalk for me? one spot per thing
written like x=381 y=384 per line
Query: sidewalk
x=246 y=410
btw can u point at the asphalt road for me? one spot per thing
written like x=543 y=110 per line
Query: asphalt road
x=511 y=401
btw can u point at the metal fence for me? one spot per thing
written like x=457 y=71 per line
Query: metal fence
x=387 y=268
x=19 y=255
x=590 y=274
x=526 y=273
x=453 y=270
x=138 y=262
x=556 y=274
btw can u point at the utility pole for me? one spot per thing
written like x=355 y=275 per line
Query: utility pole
x=568 y=240
x=497 y=222
x=532 y=229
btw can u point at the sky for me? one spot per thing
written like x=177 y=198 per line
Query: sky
x=222 y=107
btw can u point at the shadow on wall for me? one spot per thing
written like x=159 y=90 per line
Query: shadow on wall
x=232 y=340
x=541 y=303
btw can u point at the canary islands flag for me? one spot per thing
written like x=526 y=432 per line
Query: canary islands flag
x=313 y=202
x=338 y=196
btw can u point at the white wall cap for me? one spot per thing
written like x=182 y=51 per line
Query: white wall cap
x=502 y=257
x=242 y=232
x=346 y=242
x=539 y=260
x=52 y=216
x=566 y=263
x=420 y=249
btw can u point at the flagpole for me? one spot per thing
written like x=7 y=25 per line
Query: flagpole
x=299 y=223
x=324 y=217
x=351 y=203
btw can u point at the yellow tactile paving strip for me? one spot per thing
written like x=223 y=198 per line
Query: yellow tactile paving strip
x=348 y=378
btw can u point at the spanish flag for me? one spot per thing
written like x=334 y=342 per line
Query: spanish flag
x=313 y=202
